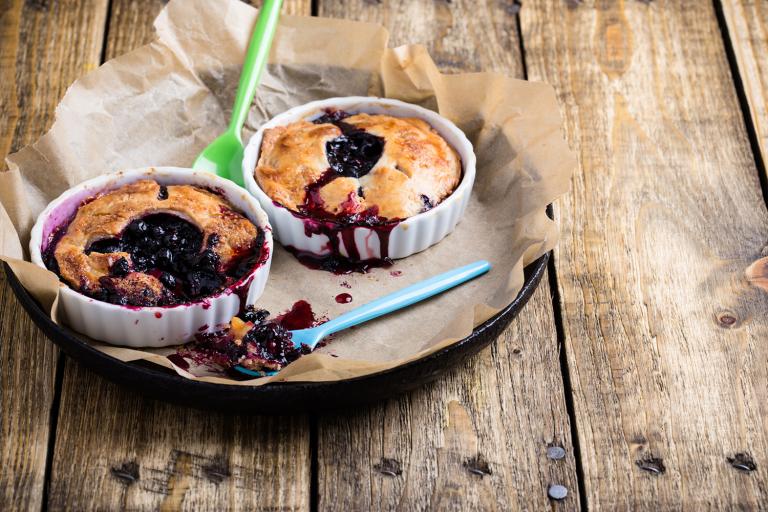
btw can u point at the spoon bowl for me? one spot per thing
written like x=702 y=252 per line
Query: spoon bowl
x=379 y=307
x=223 y=157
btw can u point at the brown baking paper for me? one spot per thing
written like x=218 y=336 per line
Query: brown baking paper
x=162 y=103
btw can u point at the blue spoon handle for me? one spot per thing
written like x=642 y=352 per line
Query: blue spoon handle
x=387 y=304
x=405 y=297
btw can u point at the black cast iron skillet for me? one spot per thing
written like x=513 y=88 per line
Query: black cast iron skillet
x=278 y=398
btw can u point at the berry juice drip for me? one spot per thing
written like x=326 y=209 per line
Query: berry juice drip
x=344 y=298
x=352 y=154
x=300 y=316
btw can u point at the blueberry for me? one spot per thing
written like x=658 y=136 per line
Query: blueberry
x=105 y=246
x=165 y=257
x=255 y=315
x=138 y=227
x=168 y=280
x=120 y=268
x=202 y=282
x=208 y=259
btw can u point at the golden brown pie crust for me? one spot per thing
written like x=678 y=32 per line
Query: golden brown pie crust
x=108 y=215
x=416 y=163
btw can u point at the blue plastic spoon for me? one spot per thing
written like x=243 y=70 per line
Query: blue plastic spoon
x=379 y=307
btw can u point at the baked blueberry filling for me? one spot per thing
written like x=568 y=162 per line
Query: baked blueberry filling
x=353 y=153
x=172 y=250
x=265 y=344
x=332 y=117
x=270 y=344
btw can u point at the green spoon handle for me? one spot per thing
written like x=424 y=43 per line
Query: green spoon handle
x=255 y=59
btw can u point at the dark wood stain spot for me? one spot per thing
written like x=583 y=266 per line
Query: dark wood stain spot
x=388 y=467
x=37 y=5
x=447 y=62
x=216 y=471
x=517 y=351
x=477 y=465
x=512 y=8
x=127 y=473
x=572 y=4
x=653 y=465
x=743 y=462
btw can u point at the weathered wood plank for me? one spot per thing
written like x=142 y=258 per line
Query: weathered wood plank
x=145 y=455
x=665 y=338
x=27 y=387
x=43 y=47
x=130 y=23
x=747 y=23
x=461 y=35
x=477 y=439
x=115 y=450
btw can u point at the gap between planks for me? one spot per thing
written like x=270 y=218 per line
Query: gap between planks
x=741 y=92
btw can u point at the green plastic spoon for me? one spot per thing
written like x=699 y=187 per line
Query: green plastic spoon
x=225 y=154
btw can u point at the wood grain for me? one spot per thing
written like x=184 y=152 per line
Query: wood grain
x=130 y=24
x=27 y=383
x=116 y=450
x=461 y=35
x=665 y=337
x=747 y=24
x=43 y=47
x=146 y=455
x=477 y=438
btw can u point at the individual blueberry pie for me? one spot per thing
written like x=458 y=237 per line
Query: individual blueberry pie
x=146 y=244
x=357 y=169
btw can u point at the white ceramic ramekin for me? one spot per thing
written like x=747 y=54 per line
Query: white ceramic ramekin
x=409 y=236
x=151 y=326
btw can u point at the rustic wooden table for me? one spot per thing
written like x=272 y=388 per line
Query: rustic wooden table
x=644 y=356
